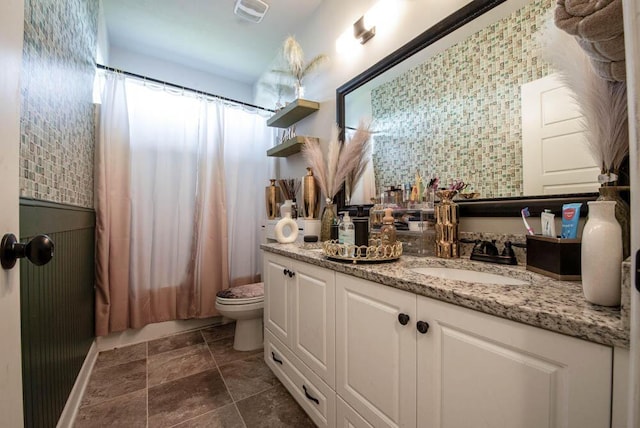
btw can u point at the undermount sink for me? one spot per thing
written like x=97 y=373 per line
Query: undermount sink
x=468 y=276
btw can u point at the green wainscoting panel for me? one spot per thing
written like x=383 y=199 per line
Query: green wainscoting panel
x=57 y=307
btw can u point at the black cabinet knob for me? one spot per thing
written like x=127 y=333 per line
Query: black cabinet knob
x=39 y=250
x=291 y=274
x=285 y=272
x=403 y=319
x=422 y=326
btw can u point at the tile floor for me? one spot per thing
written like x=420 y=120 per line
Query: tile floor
x=193 y=379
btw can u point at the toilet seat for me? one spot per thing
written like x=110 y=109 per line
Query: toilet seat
x=241 y=295
x=239 y=301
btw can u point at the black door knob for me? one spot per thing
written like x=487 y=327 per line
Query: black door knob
x=403 y=319
x=422 y=326
x=39 y=250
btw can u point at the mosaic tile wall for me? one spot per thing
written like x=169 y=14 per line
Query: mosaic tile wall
x=457 y=115
x=57 y=118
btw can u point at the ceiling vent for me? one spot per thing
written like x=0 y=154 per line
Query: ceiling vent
x=251 y=10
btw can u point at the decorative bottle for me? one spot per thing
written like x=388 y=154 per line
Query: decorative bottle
x=328 y=218
x=271 y=194
x=446 y=225
x=601 y=255
x=310 y=196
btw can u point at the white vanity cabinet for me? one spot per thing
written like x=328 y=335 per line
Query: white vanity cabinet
x=375 y=352
x=462 y=369
x=474 y=369
x=299 y=320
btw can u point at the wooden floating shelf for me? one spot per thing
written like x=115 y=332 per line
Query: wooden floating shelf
x=292 y=113
x=289 y=147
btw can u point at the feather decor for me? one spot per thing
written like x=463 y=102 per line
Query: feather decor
x=603 y=104
x=342 y=160
x=361 y=141
x=295 y=66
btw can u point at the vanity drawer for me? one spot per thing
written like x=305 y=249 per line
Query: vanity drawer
x=315 y=397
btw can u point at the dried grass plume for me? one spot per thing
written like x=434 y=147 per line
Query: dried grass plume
x=343 y=160
x=603 y=104
x=296 y=67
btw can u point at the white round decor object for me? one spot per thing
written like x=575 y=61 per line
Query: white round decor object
x=286 y=230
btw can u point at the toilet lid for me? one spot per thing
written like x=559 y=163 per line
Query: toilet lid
x=224 y=301
x=242 y=294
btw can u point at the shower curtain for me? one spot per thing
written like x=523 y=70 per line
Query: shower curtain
x=176 y=217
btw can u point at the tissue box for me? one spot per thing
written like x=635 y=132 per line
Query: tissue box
x=554 y=257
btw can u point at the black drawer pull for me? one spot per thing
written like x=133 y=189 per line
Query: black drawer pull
x=273 y=355
x=310 y=397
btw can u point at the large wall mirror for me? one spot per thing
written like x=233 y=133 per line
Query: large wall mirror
x=451 y=104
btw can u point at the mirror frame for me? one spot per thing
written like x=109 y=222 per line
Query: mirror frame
x=494 y=207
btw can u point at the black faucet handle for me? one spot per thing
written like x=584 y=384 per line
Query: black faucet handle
x=508 y=250
x=490 y=248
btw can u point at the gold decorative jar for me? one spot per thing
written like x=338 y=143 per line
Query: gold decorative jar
x=272 y=198
x=310 y=195
x=447 y=225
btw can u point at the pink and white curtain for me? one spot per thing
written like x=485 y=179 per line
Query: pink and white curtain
x=178 y=209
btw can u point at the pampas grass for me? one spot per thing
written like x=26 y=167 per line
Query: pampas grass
x=296 y=67
x=360 y=141
x=343 y=159
x=603 y=104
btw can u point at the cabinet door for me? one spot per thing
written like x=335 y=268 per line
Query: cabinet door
x=313 y=319
x=478 y=370
x=376 y=355
x=277 y=317
x=347 y=417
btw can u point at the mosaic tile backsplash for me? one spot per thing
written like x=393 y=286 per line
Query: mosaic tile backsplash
x=57 y=118
x=457 y=116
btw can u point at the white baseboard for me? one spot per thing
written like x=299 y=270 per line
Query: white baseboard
x=151 y=332
x=70 y=410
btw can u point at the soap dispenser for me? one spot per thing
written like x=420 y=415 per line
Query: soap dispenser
x=346 y=230
x=388 y=230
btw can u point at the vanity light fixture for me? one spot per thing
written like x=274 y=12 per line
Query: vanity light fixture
x=361 y=32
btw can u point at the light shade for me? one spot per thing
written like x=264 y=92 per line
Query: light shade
x=361 y=32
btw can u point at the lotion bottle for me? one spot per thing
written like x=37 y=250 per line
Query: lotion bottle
x=346 y=231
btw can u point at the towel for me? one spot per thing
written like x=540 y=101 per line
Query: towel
x=599 y=29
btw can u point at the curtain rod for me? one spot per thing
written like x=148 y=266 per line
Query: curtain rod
x=173 y=85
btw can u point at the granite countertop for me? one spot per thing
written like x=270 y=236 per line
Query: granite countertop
x=547 y=303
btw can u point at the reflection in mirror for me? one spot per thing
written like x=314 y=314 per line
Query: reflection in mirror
x=456 y=110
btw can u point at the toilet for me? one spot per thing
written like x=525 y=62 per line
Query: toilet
x=244 y=304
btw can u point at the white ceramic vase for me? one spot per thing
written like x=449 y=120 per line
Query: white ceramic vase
x=286 y=208
x=601 y=255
